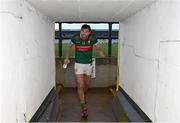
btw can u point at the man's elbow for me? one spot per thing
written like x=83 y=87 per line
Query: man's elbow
x=98 y=48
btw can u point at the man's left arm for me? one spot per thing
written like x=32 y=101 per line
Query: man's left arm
x=99 y=49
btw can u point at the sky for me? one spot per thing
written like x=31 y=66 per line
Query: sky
x=93 y=26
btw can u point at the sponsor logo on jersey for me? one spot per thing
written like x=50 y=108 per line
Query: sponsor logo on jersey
x=84 y=48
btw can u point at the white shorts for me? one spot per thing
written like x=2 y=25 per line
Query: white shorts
x=83 y=68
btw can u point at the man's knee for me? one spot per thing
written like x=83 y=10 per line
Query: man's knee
x=80 y=86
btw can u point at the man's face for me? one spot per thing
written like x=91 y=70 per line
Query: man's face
x=85 y=33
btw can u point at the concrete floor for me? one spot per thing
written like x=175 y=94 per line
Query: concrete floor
x=64 y=106
x=99 y=106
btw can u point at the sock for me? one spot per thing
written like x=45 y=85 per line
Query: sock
x=85 y=97
x=85 y=100
x=82 y=103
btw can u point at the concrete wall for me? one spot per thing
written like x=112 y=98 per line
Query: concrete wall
x=26 y=60
x=150 y=59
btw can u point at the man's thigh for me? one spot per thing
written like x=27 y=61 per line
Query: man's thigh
x=79 y=80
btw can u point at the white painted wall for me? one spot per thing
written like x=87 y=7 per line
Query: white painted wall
x=26 y=60
x=150 y=59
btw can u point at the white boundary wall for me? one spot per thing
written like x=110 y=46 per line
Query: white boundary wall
x=26 y=59
x=150 y=59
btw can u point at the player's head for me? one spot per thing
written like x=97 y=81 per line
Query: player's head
x=85 y=31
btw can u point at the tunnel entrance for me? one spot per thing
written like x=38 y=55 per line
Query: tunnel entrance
x=67 y=107
x=106 y=68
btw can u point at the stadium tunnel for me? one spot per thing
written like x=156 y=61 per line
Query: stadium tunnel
x=140 y=85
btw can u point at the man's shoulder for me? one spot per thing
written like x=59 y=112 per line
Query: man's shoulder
x=76 y=36
x=92 y=37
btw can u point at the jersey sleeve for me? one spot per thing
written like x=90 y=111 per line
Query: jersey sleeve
x=73 y=39
x=95 y=41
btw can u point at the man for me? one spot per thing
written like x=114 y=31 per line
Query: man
x=83 y=43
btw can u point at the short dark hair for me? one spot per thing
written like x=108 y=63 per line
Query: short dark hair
x=85 y=26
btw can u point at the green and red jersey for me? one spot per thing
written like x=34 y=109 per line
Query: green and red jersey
x=83 y=48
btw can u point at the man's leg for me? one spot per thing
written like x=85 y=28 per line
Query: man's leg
x=87 y=81
x=80 y=87
x=81 y=90
x=86 y=84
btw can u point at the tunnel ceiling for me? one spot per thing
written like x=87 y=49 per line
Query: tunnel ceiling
x=89 y=10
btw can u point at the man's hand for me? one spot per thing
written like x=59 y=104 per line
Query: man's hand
x=66 y=61
x=102 y=55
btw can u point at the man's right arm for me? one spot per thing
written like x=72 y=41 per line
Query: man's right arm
x=68 y=52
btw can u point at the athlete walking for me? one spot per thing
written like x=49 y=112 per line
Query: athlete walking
x=83 y=42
